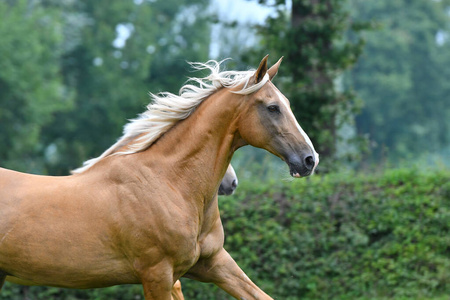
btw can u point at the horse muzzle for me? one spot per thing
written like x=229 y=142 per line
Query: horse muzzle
x=227 y=189
x=301 y=166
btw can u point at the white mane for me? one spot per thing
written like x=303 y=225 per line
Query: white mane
x=166 y=109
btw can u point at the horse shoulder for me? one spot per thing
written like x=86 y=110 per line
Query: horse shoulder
x=150 y=212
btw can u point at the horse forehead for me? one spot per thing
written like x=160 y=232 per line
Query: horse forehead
x=270 y=91
x=277 y=94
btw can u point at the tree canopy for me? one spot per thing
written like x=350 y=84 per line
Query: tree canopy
x=31 y=88
x=89 y=66
x=403 y=77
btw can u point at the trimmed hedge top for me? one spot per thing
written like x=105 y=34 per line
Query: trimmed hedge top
x=342 y=236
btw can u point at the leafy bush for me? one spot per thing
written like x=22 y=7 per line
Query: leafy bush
x=339 y=236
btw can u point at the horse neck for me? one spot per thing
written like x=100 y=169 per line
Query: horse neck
x=196 y=152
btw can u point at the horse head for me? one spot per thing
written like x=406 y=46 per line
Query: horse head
x=229 y=182
x=268 y=123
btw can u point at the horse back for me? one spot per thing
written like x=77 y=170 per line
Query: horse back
x=14 y=185
x=10 y=182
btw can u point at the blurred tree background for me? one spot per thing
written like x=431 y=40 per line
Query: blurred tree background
x=367 y=80
x=403 y=78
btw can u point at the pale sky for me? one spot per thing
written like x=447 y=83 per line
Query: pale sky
x=242 y=11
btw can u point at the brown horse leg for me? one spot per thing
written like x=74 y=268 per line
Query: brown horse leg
x=157 y=281
x=177 y=294
x=222 y=270
x=156 y=290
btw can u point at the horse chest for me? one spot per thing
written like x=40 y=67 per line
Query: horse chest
x=189 y=252
x=169 y=229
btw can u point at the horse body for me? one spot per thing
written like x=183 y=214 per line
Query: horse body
x=46 y=219
x=113 y=222
x=113 y=210
x=152 y=216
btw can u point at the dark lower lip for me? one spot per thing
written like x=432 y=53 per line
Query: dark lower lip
x=297 y=170
x=226 y=192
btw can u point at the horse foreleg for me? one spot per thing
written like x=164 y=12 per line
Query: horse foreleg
x=177 y=294
x=157 y=280
x=222 y=270
x=156 y=290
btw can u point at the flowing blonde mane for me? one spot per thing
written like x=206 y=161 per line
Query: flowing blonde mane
x=166 y=109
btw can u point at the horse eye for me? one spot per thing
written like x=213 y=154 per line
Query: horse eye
x=273 y=108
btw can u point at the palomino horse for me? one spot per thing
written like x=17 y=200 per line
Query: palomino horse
x=146 y=210
x=227 y=187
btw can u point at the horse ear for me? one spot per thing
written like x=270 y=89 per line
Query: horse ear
x=261 y=71
x=274 y=69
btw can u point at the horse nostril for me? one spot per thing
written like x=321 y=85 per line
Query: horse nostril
x=309 y=162
x=234 y=184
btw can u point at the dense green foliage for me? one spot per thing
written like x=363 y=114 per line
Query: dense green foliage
x=403 y=77
x=31 y=89
x=343 y=236
x=346 y=236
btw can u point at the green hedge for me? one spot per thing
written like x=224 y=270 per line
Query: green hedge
x=344 y=236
